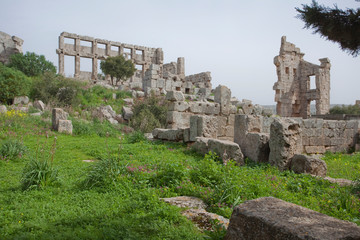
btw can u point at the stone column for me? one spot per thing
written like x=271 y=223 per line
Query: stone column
x=77 y=66
x=94 y=68
x=61 y=63
x=181 y=66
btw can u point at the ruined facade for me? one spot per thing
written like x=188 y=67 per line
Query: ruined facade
x=294 y=90
x=71 y=44
x=9 y=45
x=151 y=75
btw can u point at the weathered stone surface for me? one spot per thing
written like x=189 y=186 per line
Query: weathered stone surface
x=21 y=100
x=168 y=134
x=175 y=96
x=201 y=145
x=127 y=113
x=285 y=142
x=38 y=104
x=272 y=218
x=185 y=202
x=196 y=212
x=104 y=112
x=203 y=126
x=3 y=109
x=226 y=150
x=257 y=147
x=341 y=181
x=178 y=106
x=113 y=121
x=65 y=126
x=129 y=101
x=9 y=45
x=308 y=164
x=58 y=114
x=222 y=96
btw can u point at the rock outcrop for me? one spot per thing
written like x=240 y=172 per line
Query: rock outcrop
x=9 y=45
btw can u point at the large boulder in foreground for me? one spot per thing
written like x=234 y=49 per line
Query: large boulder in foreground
x=272 y=218
x=308 y=164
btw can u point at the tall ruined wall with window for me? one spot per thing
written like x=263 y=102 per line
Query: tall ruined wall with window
x=294 y=90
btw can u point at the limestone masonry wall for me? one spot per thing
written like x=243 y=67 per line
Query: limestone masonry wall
x=9 y=45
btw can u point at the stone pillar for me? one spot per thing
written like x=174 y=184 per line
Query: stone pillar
x=94 y=68
x=61 y=64
x=285 y=141
x=77 y=66
x=181 y=66
x=222 y=95
x=323 y=103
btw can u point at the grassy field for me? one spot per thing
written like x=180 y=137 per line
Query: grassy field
x=117 y=195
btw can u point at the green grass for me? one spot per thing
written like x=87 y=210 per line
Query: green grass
x=343 y=165
x=117 y=196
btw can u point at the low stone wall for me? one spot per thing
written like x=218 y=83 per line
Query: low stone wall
x=315 y=136
x=272 y=218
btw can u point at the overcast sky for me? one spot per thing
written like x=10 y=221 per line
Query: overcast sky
x=235 y=40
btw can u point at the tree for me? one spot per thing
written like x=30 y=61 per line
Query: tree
x=31 y=64
x=334 y=24
x=118 y=67
x=13 y=83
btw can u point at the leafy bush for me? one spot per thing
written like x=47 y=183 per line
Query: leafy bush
x=40 y=172
x=149 y=114
x=349 y=109
x=12 y=83
x=102 y=129
x=135 y=137
x=56 y=89
x=12 y=149
x=31 y=64
x=118 y=67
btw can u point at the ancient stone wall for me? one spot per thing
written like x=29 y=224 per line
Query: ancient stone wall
x=9 y=45
x=294 y=90
x=252 y=133
x=99 y=49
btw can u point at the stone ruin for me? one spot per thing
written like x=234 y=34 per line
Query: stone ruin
x=9 y=45
x=151 y=75
x=293 y=90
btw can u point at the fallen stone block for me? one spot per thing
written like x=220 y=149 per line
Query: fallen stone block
x=65 y=126
x=3 y=109
x=271 y=218
x=307 y=164
x=257 y=147
x=201 y=145
x=168 y=134
x=38 y=104
x=178 y=106
x=285 y=141
x=21 y=100
x=58 y=114
x=226 y=150
x=127 y=113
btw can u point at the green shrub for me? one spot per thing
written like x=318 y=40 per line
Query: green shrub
x=39 y=171
x=149 y=114
x=135 y=137
x=12 y=149
x=349 y=109
x=31 y=64
x=50 y=87
x=12 y=83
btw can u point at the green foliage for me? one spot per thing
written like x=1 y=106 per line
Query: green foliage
x=149 y=114
x=12 y=149
x=349 y=109
x=118 y=67
x=12 y=83
x=31 y=64
x=95 y=127
x=50 y=87
x=40 y=172
x=334 y=24
x=340 y=165
x=135 y=137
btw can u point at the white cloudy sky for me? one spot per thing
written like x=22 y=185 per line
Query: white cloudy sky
x=235 y=40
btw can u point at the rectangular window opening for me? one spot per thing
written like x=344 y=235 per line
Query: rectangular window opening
x=187 y=90
x=69 y=40
x=101 y=45
x=312 y=80
x=115 y=48
x=287 y=70
x=139 y=67
x=69 y=66
x=139 y=52
x=127 y=50
x=85 y=64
